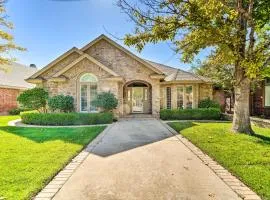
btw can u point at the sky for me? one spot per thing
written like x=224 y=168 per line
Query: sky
x=48 y=28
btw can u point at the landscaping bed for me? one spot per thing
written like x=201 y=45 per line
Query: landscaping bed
x=191 y=114
x=31 y=157
x=247 y=157
x=62 y=119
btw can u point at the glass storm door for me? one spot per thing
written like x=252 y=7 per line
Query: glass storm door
x=137 y=99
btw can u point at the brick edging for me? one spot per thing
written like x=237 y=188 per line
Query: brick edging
x=50 y=190
x=233 y=182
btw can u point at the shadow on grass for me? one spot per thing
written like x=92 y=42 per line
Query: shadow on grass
x=68 y=135
x=265 y=139
x=179 y=126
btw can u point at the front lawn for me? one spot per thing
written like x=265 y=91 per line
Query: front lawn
x=30 y=157
x=248 y=157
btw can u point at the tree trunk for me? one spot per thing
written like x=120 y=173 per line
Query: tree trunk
x=241 y=117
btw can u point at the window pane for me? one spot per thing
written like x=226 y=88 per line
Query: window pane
x=180 y=97
x=129 y=95
x=88 y=78
x=267 y=95
x=93 y=94
x=83 y=97
x=189 y=96
x=168 y=94
x=145 y=94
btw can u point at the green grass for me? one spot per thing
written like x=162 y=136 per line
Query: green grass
x=30 y=157
x=247 y=157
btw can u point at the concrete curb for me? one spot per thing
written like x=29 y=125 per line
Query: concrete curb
x=18 y=123
x=233 y=182
x=50 y=190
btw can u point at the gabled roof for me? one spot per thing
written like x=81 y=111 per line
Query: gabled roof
x=14 y=77
x=171 y=73
x=175 y=74
x=90 y=58
x=103 y=37
x=72 y=50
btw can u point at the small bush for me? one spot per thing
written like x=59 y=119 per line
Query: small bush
x=15 y=111
x=191 y=114
x=62 y=119
x=34 y=99
x=208 y=103
x=106 y=101
x=62 y=103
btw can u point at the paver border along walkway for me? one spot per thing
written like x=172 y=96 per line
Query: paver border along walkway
x=234 y=183
x=50 y=190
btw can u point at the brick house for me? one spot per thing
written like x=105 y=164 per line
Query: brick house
x=260 y=99
x=12 y=83
x=141 y=86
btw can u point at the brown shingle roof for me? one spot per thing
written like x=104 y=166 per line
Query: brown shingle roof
x=14 y=77
x=174 y=74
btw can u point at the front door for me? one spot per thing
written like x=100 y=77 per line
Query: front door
x=137 y=99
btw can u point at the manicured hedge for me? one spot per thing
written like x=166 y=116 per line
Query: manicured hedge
x=62 y=119
x=191 y=114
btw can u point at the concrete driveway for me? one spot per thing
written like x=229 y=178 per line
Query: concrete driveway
x=142 y=160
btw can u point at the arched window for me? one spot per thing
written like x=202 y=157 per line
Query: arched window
x=88 y=92
x=88 y=77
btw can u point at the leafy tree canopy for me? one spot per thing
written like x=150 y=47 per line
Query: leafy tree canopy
x=7 y=41
x=237 y=30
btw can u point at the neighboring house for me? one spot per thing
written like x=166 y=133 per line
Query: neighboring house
x=12 y=83
x=260 y=100
x=141 y=86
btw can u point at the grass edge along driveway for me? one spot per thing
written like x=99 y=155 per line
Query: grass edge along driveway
x=247 y=157
x=31 y=157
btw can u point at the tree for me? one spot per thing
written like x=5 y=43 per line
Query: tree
x=237 y=28
x=7 y=40
x=105 y=100
x=221 y=73
x=34 y=99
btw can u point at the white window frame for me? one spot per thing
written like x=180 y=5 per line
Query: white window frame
x=88 y=84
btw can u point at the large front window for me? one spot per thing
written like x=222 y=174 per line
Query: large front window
x=184 y=96
x=88 y=92
x=267 y=93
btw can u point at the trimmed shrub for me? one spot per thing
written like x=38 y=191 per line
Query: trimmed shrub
x=106 y=101
x=191 y=114
x=208 y=103
x=62 y=119
x=34 y=99
x=15 y=111
x=62 y=103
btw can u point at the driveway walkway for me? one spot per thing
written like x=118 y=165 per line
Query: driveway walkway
x=142 y=160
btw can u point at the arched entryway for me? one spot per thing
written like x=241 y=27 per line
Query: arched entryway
x=137 y=97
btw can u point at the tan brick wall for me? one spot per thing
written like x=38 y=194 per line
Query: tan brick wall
x=124 y=65
x=60 y=65
x=127 y=67
x=72 y=86
x=8 y=99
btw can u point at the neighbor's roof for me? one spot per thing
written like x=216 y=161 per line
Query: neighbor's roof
x=15 y=75
x=175 y=74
